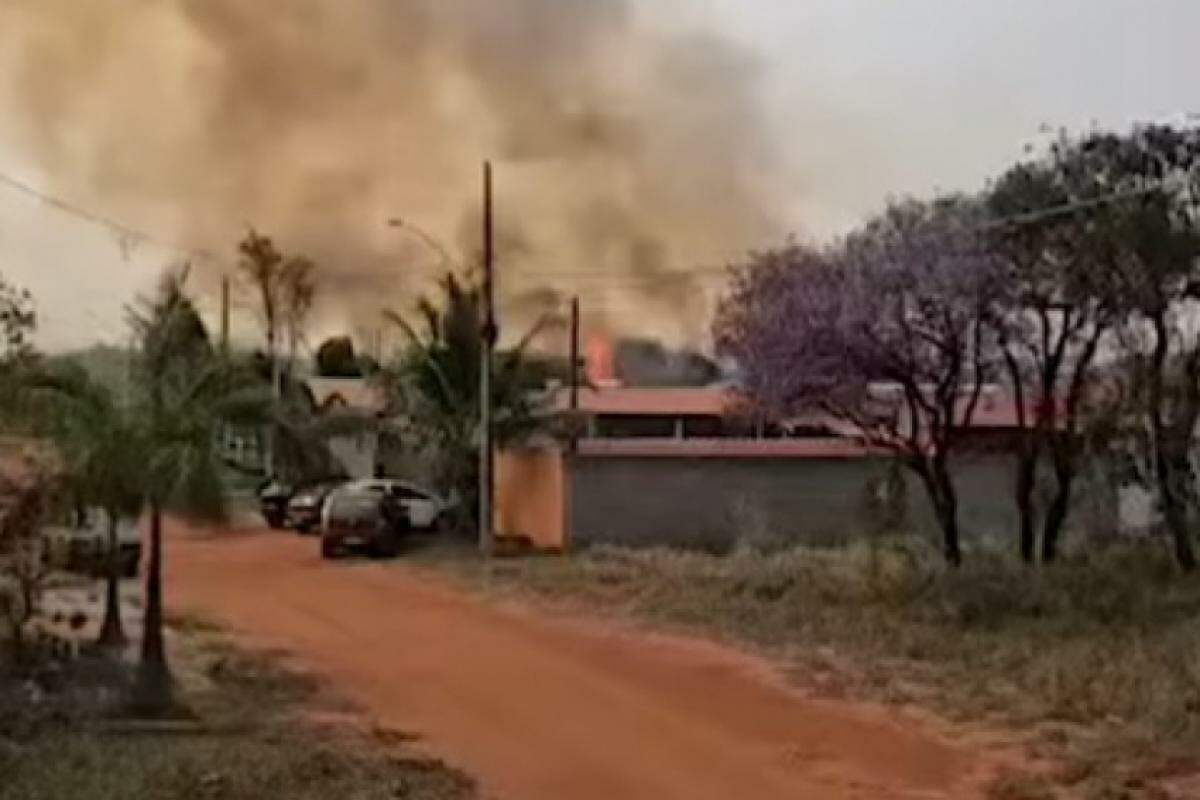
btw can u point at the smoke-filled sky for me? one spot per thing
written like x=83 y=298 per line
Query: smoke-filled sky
x=631 y=140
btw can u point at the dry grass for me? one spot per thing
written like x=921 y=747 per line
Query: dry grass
x=1095 y=660
x=251 y=735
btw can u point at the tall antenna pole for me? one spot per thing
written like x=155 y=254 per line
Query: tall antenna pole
x=225 y=315
x=488 y=336
x=574 y=374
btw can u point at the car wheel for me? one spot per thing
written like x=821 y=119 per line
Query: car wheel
x=274 y=521
x=385 y=546
x=328 y=551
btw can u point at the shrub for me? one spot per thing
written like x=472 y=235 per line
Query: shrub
x=23 y=570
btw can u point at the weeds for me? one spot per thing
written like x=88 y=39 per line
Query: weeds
x=249 y=737
x=1097 y=656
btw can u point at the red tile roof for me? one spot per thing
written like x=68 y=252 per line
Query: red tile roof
x=995 y=409
x=822 y=448
x=673 y=401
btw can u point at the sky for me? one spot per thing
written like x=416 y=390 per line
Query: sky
x=856 y=100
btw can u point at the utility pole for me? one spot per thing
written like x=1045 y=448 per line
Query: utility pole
x=488 y=338
x=225 y=315
x=574 y=375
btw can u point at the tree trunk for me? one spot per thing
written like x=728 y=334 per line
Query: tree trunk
x=950 y=533
x=945 y=504
x=950 y=526
x=112 y=632
x=152 y=691
x=942 y=496
x=1171 y=442
x=1173 y=472
x=1056 y=514
x=1026 y=480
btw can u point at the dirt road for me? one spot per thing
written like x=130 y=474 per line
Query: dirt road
x=539 y=707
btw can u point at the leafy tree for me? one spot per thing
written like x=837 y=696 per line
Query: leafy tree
x=103 y=444
x=1060 y=303
x=18 y=319
x=286 y=291
x=885 y=330
x=299 y=292
x=336 y=358
x=435 y=386
x=1156 y=229
x=28 y=499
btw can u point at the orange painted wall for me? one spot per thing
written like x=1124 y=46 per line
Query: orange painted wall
x=532 y=497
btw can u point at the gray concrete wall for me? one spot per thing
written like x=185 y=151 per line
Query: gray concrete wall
x=711 y=502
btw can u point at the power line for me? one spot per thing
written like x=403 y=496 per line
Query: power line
x=610 y=280
x=127 y=231
x=606 y=274
x=124 y=231
x=1037 y=215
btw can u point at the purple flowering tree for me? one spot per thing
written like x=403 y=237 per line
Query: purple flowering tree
x=887 y=330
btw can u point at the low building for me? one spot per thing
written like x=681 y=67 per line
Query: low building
x=357 y=455
x=687 y=466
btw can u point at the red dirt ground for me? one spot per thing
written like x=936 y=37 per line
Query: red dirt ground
x=541 y=707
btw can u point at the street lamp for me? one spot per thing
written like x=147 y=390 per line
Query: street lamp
x=426 y=238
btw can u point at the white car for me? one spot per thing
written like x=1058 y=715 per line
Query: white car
x=425 y=508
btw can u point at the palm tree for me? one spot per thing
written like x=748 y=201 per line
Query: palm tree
x=434 y=385
x=286 y=290
x=184 y=392
x=103 y=447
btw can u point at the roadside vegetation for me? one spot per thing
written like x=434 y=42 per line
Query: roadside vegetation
x=86 y=712
x=255 y=729
x=1092 y=663
x=433 y=384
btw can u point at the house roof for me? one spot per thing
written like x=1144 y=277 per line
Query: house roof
x=353 y=393
x=635 y=401
x=832 y=447
x=996 y=408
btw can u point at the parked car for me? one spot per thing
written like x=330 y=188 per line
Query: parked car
x=426 y=509
x=357 y=519
x=275 y=498
x=82 y=546
x=305 y=507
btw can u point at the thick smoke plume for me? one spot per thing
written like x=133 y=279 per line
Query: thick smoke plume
x=621 y=151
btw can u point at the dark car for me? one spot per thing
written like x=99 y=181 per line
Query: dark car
x=365 y=521
x=306 y=505
x=273 y=498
